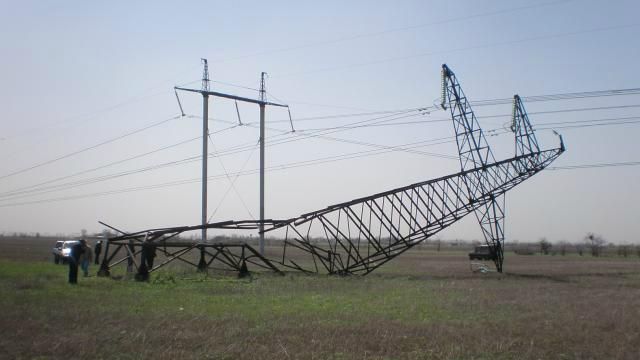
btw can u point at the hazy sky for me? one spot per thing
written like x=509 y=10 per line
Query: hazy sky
x=79 y=75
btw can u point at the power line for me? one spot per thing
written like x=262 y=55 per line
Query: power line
x=323 y=136
x=490 y=102
x=613 y=107
x=94 y=114
x=392 y=30
x=564 y=96
x=594 y=166
x=289 y=166
x=234 y=85
x=607 y=122
x=78 y=183
x=231 y=182
x=48 y=162
x=610 y=123
x=493 y=132
x=416 y=122
x=297 y=137
x=584 y=123
x=475 y=47
x=358 y=114
x=229 y=188
x=275 y=168
x=71 y=185
x=286 y=166
x=389 y=116
x=334 y=106
x=500 y=101
x=190 y=159
x=559 y=96
x=300 y=164
x=21 y=190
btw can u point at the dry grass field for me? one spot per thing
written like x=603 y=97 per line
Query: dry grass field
x=423 y=305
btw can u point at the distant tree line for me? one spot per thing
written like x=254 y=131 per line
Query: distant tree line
x=592 y=244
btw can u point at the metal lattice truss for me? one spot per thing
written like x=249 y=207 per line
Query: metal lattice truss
x=358 y=236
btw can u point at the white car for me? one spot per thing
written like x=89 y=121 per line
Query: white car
x=62 y=250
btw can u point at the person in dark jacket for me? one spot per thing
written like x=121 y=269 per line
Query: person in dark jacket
x=147 y=254
x=150 y=254
x=86 y=258
x=97 y=249
x=74 y=260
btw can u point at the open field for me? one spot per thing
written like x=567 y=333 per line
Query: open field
x=425 y=304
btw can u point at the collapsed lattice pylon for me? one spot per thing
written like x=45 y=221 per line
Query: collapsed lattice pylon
x=358 y=236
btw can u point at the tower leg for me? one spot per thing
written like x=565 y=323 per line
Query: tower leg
x=104 y=265
x=491 y=220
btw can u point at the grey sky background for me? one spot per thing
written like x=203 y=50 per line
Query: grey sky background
x=77 y=74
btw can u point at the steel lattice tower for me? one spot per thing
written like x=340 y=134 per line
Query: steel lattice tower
x=358 y=236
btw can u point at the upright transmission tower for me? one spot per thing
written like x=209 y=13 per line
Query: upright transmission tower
x=359 y=236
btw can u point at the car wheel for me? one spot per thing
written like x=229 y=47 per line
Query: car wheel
x=56 y=259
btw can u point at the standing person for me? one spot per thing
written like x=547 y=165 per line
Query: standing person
x=147 y=254
x=86 y=258
x=97 y=249
x=74 y=260
x=151 y=254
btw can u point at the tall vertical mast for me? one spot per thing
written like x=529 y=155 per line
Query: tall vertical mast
x=262 y=108
x=205 y=136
